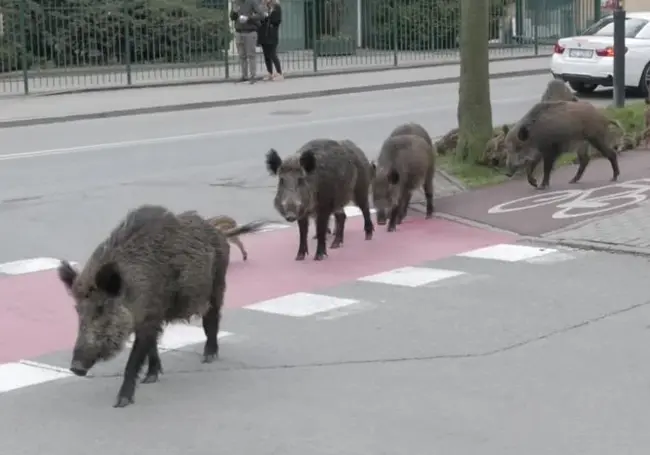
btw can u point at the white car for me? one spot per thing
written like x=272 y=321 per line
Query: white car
x=587 y=60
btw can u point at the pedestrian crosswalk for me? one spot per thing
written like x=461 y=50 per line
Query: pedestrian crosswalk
x=326 y=305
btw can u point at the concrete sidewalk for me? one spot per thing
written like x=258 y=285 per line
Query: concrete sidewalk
x=52 y=108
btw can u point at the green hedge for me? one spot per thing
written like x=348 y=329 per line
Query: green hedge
x=74 y=33
x=418 y=25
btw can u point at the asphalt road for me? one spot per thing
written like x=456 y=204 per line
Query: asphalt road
x=536 y=356
x=506 y=358
x=64 y=186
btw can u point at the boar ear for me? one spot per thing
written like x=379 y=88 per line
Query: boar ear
x=393 y=177
x=108 y=279
x=308 y=161
x=523 y=134
x=273 y=161
x=67 y=274
x=373 y=170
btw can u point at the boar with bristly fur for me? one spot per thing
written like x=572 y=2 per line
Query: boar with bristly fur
x=448 y=142
x=410 y=128
x=549 y=127
x=155 y=267
x=404 y=163
x=557 y=90
x=319 y=180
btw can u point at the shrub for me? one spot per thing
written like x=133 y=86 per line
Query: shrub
x=418 y=25
x=62 y=33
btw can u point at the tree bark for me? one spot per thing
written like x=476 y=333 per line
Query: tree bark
x=474 y=106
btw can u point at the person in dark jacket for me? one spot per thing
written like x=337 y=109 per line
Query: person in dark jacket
x=247 y=14
x=268 y=37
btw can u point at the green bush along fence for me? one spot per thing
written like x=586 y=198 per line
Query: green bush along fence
x=55 y=45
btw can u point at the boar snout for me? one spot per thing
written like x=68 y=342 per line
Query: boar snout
x=78 y=368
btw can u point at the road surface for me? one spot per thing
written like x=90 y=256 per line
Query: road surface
x=439 y=337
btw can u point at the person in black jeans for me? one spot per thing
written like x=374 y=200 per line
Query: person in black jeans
x=268 y=37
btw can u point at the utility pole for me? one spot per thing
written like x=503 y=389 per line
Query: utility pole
x=619 y=55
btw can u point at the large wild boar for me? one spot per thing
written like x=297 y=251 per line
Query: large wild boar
x=414 y=129
x=317 y=181
x=404 y=163
x=155 y=267
x=549 y=127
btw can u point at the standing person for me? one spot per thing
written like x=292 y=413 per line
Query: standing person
x=268 y=37
x=247 y=15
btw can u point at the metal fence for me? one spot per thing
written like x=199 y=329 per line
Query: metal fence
x=58 y=45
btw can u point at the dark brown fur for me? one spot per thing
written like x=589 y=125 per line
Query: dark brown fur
x=404 y=163
x=155 y=267
x=448 y=142
x=550 y=127
x=319 y=180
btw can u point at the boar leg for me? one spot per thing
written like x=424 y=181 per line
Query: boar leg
x=395 y=212
x=329 y=231
x=364 y=206
x=339 y=225
x=237 y=241
x=530 y=170
x=549 y=155
x=583 y=161
x=141 y=348
x=404 y=208
x=303 y=229
x=211 y=321
x=381 y=217
x=428 y=194
x=321 y=235
x=155 y=366
x=610 y=154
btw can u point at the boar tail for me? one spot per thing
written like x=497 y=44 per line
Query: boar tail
x=253 y=226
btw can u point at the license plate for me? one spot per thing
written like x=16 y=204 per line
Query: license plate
x=581 y=53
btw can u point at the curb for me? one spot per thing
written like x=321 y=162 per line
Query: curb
x=590 y=245
x=249 y=101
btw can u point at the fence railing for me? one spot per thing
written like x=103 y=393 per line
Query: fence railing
x=55 y=45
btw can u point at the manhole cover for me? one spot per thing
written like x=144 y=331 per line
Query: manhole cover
x=291 y=112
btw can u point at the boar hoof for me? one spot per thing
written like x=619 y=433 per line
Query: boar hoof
x=542 y=187
x=532 y=182
x=391 y=228
x=336 y=244
x=369 y=235
x=150 y=378
x=209 y=358
x=573 y=180
x=428 y=216
x=123 y=402
x=301 y=255
x=614 y=179
x=319 y=256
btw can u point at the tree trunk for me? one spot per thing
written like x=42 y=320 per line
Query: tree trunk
x=474 y=107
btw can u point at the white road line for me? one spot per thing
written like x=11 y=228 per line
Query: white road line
x=508 y=253
x=225 y=133
x=179 y=335
x=411 y=276
x=24 y=374
x=24 y=266
x=301 y=304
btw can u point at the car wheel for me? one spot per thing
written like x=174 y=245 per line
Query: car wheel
x=582 y=88
x=645 y=80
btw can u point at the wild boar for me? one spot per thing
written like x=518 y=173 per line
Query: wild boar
x=549 y=127
x=404 y=163
x=405 y=129
x=155 y=267
x=319 y=180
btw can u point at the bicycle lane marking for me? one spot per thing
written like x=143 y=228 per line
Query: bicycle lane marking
x=517 y=207
x=568 y=200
